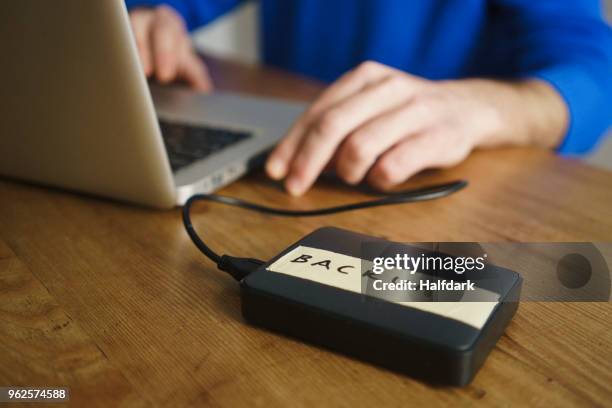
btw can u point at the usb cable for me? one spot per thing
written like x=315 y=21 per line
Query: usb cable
x=238 y=268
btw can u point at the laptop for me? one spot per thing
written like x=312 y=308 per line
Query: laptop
x=78 y=113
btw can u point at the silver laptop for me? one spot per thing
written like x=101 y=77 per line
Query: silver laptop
x=77 y=112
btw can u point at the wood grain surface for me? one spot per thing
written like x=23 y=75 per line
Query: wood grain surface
x=114 y=302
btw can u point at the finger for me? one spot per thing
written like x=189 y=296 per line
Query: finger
x=402 y=162
x=428 y=149
x=361 y=149
x=346 y=86
x=278 y=161
x=166 y=38
x=323 y=138
x=331 y=164
x=350 y=83
x=141 y=25
x=195 y=73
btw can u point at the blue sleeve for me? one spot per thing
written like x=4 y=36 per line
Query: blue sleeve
x=196 y=13
x=568 y=44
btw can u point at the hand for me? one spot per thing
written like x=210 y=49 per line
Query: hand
x=165 y=48
x=383 y=125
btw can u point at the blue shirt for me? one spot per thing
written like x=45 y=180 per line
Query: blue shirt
x=564 y=42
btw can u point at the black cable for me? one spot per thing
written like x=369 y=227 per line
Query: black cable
x=240 y=267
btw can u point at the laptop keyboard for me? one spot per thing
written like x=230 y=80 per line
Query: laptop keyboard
x=186 y=144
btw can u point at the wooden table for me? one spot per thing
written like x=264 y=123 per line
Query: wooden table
x=115 y=302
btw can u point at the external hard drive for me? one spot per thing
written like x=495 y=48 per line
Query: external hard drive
x=321 y=290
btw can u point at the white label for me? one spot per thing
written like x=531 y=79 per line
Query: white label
x=345 y=272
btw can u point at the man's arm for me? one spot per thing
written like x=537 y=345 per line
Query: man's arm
x=567 y=44
x=383 y=125
x=195 y=13
x=161 y=31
